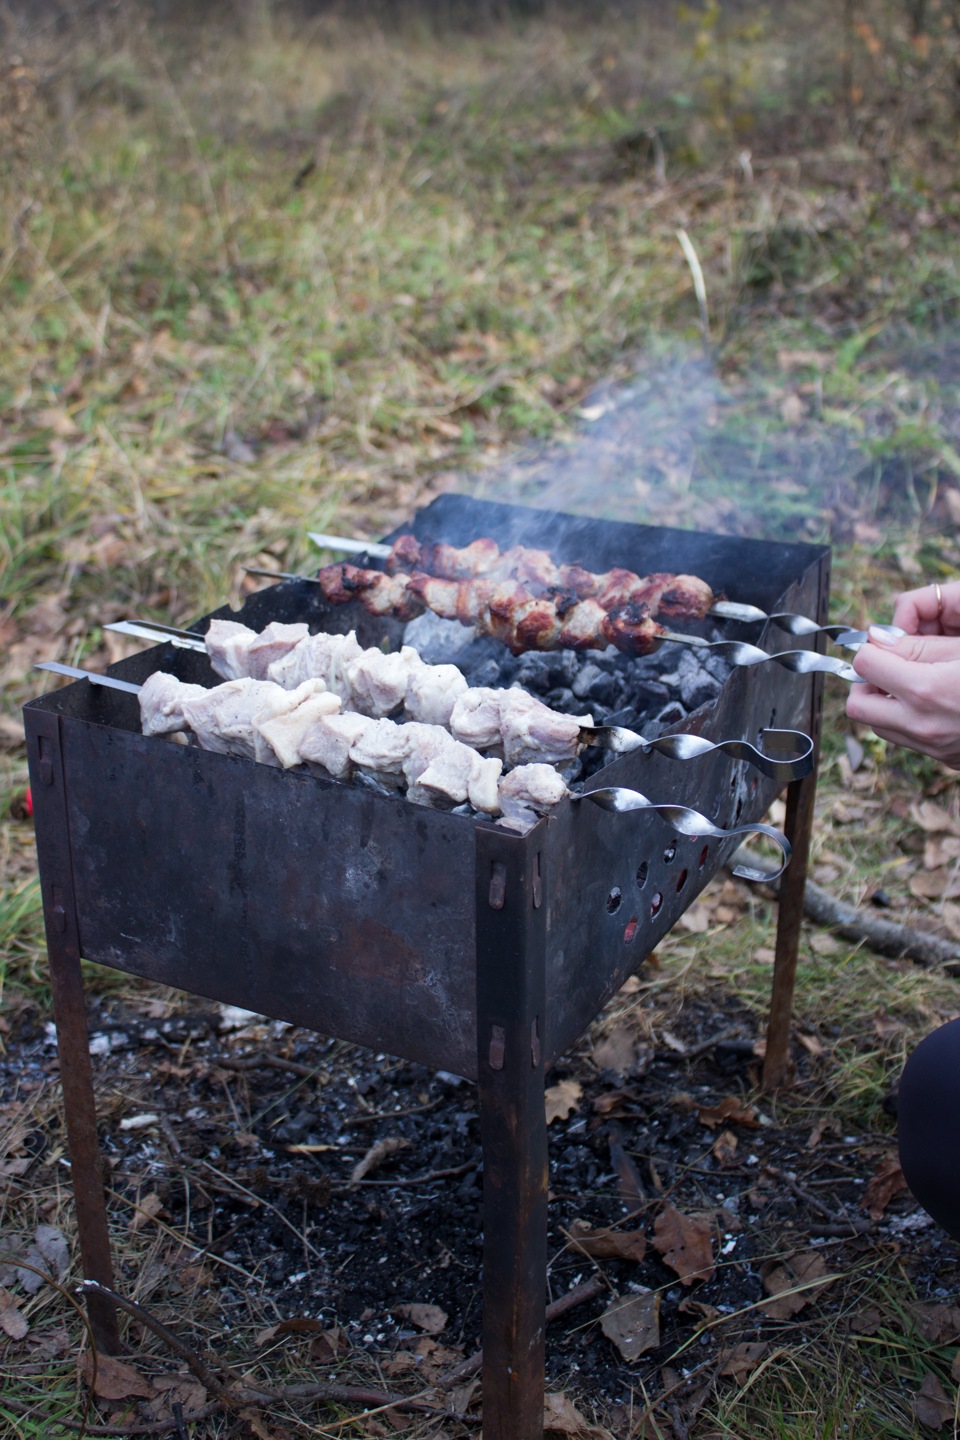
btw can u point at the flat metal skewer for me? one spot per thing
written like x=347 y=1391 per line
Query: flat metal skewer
x=109 y=682
x=793 y=762
x=722 y=609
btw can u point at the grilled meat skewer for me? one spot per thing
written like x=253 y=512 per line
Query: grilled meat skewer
x=672 y=596
x=505 y=609
x=484 y=557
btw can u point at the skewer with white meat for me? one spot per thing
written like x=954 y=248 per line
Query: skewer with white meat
x=509 y=723
x=261 y=721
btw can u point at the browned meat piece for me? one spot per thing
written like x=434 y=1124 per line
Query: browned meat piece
x=379 y=593
x=631 y=630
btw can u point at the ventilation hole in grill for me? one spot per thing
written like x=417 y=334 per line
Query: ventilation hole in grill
x=656 y=903
x=643 y=870
x=754 y=784
x=682 y=880
x=633 y=925
x=670 y=852
x=773 y=720
x=614 y=900
x=704 y=857
x=738 y=812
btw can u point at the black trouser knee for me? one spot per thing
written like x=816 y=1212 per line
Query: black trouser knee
x=928 y=1120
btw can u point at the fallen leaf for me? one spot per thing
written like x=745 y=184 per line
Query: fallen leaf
x=742 y=1359
x=616 y=1051
x=685 y=1244
x=607 y=1244
x=886 y=1026
x=728 y=1111
x=782 y=1279
x=428 y=1318
x=13 y=1322
x=934 y=818
x=887 y=1180
x=146 y=1210
x=938 y=1324
x=561 y=1099
x=111 y=1379
x=633 y=1324
x=724 y=1148
x=169 y=1390
x=561 y=1417
x=931 y=1405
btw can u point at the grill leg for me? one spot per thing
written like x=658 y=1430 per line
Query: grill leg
x=76 y=1078
x=798 y=828
x=69 y=1009
x=513 y=1127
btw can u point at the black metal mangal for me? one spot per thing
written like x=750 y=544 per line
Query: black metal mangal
x=441 y=938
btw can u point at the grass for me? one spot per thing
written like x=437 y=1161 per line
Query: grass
x=250 y=289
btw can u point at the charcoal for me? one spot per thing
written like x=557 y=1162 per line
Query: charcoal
x=596 y=685
x=697 y=685
x=535 y=672
x=563 y=700
x=437 y=641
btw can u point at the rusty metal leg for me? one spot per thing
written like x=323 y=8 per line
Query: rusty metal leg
x=798 y=828
x=510 y=1007
x=76 y=1072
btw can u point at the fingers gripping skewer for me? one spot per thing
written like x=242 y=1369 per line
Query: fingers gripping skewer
x=685 y=821
x=785 y=755
x=721 y=609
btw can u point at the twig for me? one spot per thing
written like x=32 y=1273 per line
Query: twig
x=191 y=1359
x=588 y=1290
x=883 y=936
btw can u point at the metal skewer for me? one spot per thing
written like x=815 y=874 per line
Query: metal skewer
x=109 y=682
x=685 y=821
x=689 y=822
x=793 y=762
x=722 y=609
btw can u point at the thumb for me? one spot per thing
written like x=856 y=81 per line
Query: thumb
x=927 y=649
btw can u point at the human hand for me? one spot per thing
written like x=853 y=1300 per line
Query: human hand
x=912 y=692
x=931 y=610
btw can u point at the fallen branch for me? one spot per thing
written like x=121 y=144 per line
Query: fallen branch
x=885 y=937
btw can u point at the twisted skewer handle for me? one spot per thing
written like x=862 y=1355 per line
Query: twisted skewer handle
x=690 y=823
x=794 y=761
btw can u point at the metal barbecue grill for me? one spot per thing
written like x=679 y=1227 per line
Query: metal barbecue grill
x=440 y=937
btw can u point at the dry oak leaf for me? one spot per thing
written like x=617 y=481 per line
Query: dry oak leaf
x=938 y=1324
x=561 y=1417
x=742 y=1359
x=685 y=1243
x=887 y=1180
x=111 y=1379
x=934 y=819
x=428 y=1318
x=730 y=1110
x=561 y=1099
x=633 y=1323
x=13 y=1322
x=170 y=1390
x=931 y=1404
x=783 y=1280
x=607 y=1244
